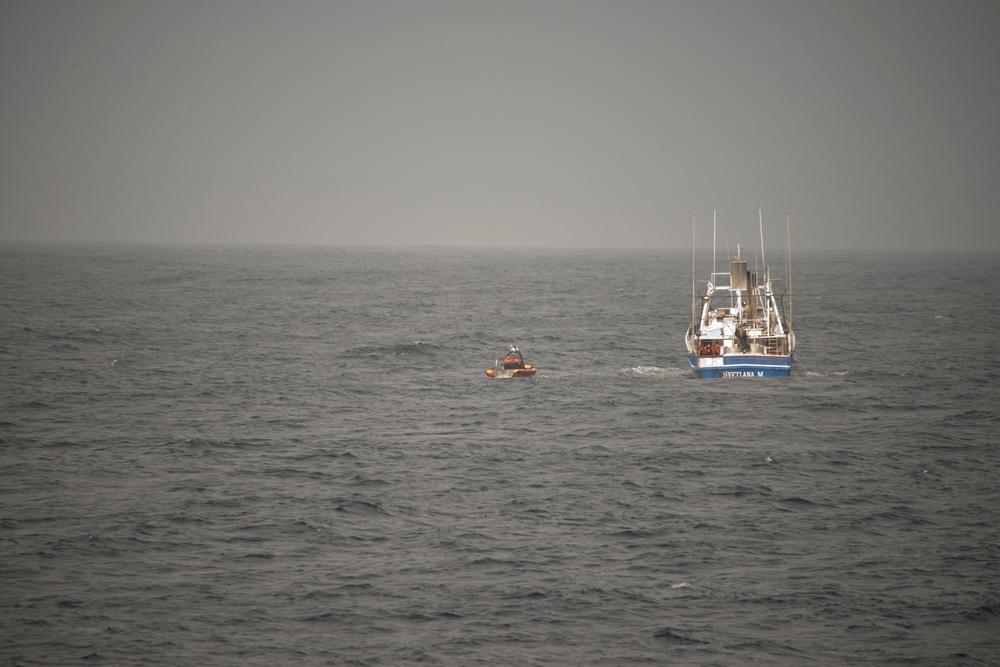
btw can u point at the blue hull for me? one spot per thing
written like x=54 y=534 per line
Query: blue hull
x=736 y=366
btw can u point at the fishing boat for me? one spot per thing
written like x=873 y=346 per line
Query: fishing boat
x=738 y=326
x=512 y=366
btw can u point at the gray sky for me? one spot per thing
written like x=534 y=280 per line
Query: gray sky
x=538 y=123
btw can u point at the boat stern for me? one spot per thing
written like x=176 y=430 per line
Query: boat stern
x=741 y=366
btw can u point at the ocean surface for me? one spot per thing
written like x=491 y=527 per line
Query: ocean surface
x=293 y=456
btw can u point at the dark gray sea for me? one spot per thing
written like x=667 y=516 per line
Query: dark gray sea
x=293 y=456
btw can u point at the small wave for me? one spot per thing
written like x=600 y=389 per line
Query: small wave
x=633 y=533
x=61 y=443
x=489 y=561
x=359 y=507
x=417 y=347
x=795 y=502
x=768 y=461
x=656 y=371
x=972 y=415
x=211 y=444
x=985 y=612
x=675 y=637
x=34 y=405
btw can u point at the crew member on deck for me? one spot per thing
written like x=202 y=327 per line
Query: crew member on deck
x=513 y=359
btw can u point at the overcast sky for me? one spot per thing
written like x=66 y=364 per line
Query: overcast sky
x=539 y=123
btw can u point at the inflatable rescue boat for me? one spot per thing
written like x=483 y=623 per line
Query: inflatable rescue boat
x=513 y=366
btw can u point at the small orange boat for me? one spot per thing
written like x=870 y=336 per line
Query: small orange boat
x=513 y=366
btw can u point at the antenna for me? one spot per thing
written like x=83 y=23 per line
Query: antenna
x=713 y=246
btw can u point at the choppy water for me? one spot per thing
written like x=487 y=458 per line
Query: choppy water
x=262 y=456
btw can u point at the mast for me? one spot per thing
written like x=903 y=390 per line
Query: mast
x=694 y=291
x=788 y=268
x=713 y=245
x=763 y=264
x=760 y=220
